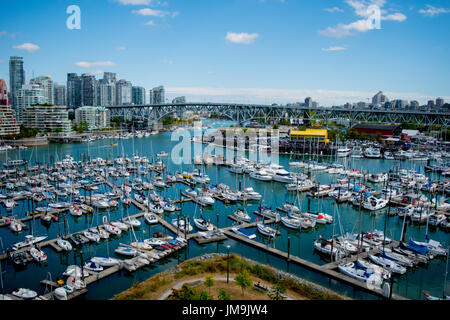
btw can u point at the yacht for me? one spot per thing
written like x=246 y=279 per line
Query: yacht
x=372 y=153
x=373 y=204
x=343 y=152
x=240 y=214
x=261 y=175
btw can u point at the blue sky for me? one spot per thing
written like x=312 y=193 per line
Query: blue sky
x=240 y=50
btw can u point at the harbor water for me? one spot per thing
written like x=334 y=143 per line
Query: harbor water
x=411 y=285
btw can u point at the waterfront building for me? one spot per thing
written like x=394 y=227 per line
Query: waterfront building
x=384 y=130
x=308 y=102
x=179 y=100
x=88 y=90
x=400 y=104
x=106 y=92
x=59 y=94
x=16 y=77
x=28 y=95
x=124 y=92
x=361 y=105
x=430 y=104
x=313 y=135
x=138 y=95
x=95 y=117
x=8 y=124
x=379 y=98
x=110 y=77
x=73 y=91
x=46 y=83
x=439 y=102
x=414 y=104
x=158 y=95
x=48 y=118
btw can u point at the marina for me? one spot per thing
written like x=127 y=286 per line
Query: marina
x=124 y=183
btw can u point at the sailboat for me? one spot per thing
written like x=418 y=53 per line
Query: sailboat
x=201 y=223
x=265 y=230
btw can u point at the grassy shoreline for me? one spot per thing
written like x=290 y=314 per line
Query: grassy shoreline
x=216 y=265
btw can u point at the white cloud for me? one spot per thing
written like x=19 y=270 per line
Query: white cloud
x=244 y=38
x=431 y=11
x=362 y=9
x=342 y=30
x=150 y=23
x=283 y=96
x=334 y=9
x=151 y=12
x=89 y=64
x=334 y=49
x=400 y=17
x=30 y=47
x=121 y=48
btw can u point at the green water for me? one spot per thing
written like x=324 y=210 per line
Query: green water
x=410 y=285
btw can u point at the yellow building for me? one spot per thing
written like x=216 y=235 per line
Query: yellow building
x=315 y=135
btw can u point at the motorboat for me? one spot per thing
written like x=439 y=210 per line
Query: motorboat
x=155 y=208
x=105 y=261
x=24 y=293
x=120 y=224
x=203 y=224
x=92 y=266
x=75 y=271
x=38 y=255
x=151 y=218
x=252 y=194
x=133 y=222
x=243 y=232
x=94 y=237
x=261 y=175
x=325 y=246
x=15 y=226
x=373 y=204
x=29 y=240
x=126 y=251
x=64 y=244
x=371 y=152
x=182 y=225
x=343 y=152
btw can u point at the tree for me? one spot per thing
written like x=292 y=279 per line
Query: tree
x=209 y=282
x=243 y=280
x=277 y=291
x=276 y=126
x=223 y=295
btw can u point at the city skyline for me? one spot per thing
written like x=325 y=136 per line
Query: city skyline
x=311 y=49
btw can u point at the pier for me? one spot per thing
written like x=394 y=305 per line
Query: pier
x=324 y=270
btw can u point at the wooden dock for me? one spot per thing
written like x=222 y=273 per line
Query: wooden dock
x=311 y=266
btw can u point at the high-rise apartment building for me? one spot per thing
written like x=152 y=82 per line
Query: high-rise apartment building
x=46 y=83
x=95 y=117
x=29 y=95
x=138 y=95
x=8 y=124
x=59 y=95
x=179 y=100
x=439 y=102
x=88 y=90
x=124 y=92
x=48 y=118
x=73 y=91
x=379 y=98
x=308 y=102
x=158 y=95
x=16 y=77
